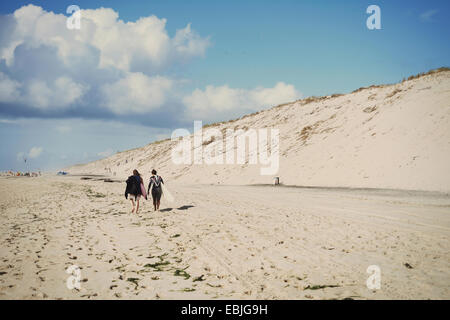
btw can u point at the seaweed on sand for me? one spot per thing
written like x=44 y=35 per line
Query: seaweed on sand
x=134 y=280
x=158 y=266
x=317 y=287
x=200 y=278
x=182 y=273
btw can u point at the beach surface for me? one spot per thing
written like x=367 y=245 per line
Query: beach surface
x=220 y=242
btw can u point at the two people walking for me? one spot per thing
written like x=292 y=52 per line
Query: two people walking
x=135 y=189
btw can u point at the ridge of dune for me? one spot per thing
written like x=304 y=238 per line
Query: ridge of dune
x=385 y=136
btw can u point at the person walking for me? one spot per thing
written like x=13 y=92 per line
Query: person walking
x=133 y=189
x=156 y=189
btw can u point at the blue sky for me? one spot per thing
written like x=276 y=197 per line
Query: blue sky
x=273 y=51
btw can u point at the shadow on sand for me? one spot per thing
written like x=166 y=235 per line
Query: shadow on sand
x=185 y=207
x=180 y=208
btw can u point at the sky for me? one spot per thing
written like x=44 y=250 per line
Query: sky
x=136 y=70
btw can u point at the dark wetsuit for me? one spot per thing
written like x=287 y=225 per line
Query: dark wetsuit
x=156 y=181
x=133 y=186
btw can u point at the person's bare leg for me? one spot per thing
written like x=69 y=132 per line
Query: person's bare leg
x=137 y=206
x=132 y=202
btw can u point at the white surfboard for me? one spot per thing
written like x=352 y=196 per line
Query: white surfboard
x=166 y=193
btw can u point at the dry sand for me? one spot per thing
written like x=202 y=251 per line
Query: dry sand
x=221 y=242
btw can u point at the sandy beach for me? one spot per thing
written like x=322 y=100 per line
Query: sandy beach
x=301 y=149
x=221 y=242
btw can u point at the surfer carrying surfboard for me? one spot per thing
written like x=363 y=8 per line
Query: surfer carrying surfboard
x=155 y=185
x=134 y=188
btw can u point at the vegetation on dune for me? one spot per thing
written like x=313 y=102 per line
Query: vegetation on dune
x=442 y=69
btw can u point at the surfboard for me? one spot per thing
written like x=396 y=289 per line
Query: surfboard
x=144 y=193
x=166 y=193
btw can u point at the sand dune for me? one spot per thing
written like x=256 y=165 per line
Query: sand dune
x=390 y=136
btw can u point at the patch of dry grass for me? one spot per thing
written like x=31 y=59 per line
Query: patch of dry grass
x=370 y=109
x=442 y=69
x=393 y=93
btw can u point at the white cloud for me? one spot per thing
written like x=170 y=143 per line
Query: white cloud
x=119 y=43
x=32 y=154
x=188 y=43
x=136 y=93
x=52 y=67
x=214 y=101
x=428 y=15
x=105 y=153
x=35 y=152
x=60 y=93
x=9 y=89
x=120 y=67
x=281 y=93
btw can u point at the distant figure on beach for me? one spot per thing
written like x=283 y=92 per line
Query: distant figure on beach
x=133 y=189
x=156 y=189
